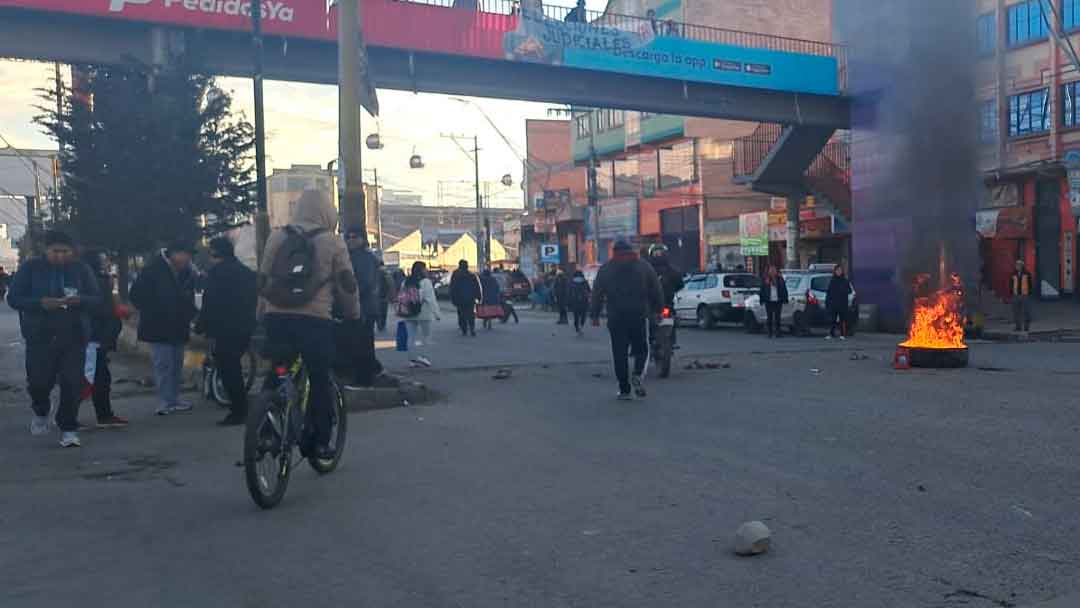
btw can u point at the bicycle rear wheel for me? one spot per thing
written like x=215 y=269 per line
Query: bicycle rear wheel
x=338 y=431
x=266 y=460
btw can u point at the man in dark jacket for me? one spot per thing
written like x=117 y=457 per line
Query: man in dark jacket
x=361 y=333
x=164 y=293
x=55 y=296
x=630 y=289
x=228 y=318
x=562 y=297
x=670 y=278
x=773 y=295
x=837 y=303
x=387 y=293
x=465 y=292
x=105 y=328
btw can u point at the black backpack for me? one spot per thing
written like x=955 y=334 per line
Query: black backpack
x=292 y=271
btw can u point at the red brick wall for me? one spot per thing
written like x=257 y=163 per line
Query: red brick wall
x=548 y=150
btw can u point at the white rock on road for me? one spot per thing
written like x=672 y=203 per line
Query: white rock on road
x=752 y=538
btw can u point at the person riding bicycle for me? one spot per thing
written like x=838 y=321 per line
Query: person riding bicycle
x=671 y=279
x=305 y=272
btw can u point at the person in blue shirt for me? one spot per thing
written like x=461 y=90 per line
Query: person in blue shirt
x=56 y=296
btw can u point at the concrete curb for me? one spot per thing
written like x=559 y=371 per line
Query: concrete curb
x=386 y=398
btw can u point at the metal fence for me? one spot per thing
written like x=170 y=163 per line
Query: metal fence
x=660 y=27
x=834 y=160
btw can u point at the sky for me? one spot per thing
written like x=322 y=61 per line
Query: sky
x=301 y=123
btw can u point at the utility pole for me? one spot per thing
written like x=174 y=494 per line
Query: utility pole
x=262 y=215
x=792 y=252
x=378 y=210
x=352 y=174
x=480 y=245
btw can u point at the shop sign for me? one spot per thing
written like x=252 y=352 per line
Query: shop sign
x=544 y=224
x=722 y=232
x=754 y=233
x=618 y=219
x=819 y=227
x=778 y=226
x=1004 y=195
x=1015 y=223
x=778 y=204
x=549 y=253
x=1072 y=169
x=557 y=199
x=569 y=213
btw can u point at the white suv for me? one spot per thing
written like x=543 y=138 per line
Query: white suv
x=708 y=299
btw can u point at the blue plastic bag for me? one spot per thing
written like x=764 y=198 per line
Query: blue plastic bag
x=402 y=337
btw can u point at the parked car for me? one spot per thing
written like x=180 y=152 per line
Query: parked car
x=711 y=298
x=808 y=289
x=515 y=285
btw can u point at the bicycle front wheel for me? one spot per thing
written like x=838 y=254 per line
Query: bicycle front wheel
x=338 y=430
x=266 y=459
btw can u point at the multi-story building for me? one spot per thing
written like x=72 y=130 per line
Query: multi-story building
x=670 y=179
x=286 y=186
x=556 y=195
x=1027 y=85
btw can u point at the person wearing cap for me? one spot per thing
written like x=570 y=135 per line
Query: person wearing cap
x=164 y=295
x=631 y=292
x=228 y=319
x=56 y=297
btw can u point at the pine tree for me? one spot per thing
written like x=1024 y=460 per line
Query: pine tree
x=148 y=157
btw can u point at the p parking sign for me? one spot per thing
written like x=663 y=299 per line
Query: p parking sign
x=549 y=254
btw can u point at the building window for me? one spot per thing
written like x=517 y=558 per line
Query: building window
x=988 y=121
x=583 y=126
x=299 y=184
x=1029 y=113
x=1069 y=105
x=1026 y=23
x=627 y=178
x=986 y=33
x=711 y=148
x=1070 y=14
x=607 y=120
x=605 y=178
x=678 y=166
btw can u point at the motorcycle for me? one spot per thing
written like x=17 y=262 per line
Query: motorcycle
x=663 y=342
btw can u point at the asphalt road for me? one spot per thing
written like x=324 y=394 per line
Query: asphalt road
x=882 y=488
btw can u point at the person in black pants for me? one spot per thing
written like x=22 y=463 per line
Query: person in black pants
x=228 y=318
x=774 y=294
x=562 y=297
x=465 y=292
x=56 y=296
x=580 y=294
x=631 y=292
x=837 y=304
x=105 y=327
x=365 y=265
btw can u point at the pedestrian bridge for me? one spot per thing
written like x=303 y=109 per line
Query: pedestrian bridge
x=514 y=49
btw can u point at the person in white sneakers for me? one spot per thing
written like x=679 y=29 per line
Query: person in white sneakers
x=56 y=296
x=418 y=307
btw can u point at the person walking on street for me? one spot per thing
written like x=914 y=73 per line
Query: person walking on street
x=56 y=297
x=228 y=319
x=368 y=280
x=465 y=292
x=580 y=294
x=774 y=295
x=561 y=292
x=418 y=306
x=5 y=279
x=105 y=328
x=164 y=294
x=837 y=303
x=1020 y=287
x=631 y=292
x=490 y=293
x=387 y=292
x=306 y=273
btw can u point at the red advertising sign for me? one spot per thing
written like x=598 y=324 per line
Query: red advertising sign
x=298 y=18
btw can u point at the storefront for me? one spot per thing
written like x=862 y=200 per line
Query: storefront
x=724 y=252
x=570 y=230
x=1004 y=237
x=674 y=219
x=617 y=219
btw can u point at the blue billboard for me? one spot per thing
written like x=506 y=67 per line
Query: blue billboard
x=645 y=52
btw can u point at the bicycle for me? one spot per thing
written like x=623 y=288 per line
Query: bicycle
x=278 y=422
x=213 y=389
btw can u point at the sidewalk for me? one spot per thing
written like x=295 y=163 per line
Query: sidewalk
x=1050 y=320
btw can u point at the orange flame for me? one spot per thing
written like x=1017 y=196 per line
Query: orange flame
x=938 y=319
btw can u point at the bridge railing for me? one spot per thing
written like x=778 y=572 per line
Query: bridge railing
x=661 y=27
